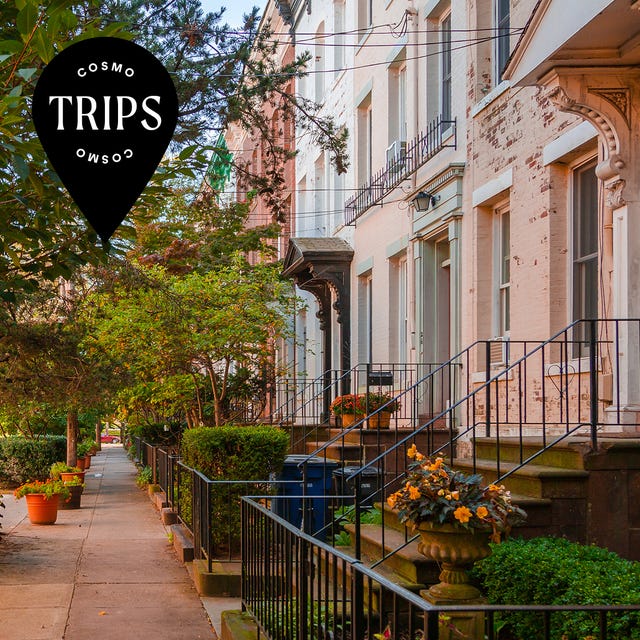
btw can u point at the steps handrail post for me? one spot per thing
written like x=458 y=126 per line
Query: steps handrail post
x=593 y=382
x=487 y=411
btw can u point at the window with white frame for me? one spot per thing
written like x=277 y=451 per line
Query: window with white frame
x=397 y=132
x=445 y=68
x=502 y=41
x=365 y=14
x=365 y=318
x=502 y=278
x=584 y=218
x=319 y=52
x=338 y=37
x=365 y=139
x=402 y=310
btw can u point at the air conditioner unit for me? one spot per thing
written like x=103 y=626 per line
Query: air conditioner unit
x=396 y=151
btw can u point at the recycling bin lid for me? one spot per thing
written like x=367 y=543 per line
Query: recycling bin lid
x=297 y=458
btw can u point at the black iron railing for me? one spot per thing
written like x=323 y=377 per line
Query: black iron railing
x=298 y=587
x=439 y=135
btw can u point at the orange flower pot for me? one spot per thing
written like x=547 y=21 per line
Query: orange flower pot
x=41 y=510
x=87 y=462
x=380 y=420
x=80 y=463
x=68 y=476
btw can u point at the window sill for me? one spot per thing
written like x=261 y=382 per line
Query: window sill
x=490 y=97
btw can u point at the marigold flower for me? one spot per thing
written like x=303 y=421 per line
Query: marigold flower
x=462 y=514
x=392 y=499
x=414 y=493
x=482 y=512
x=413 y=450
x=493 y=487
x=441 y=492
x=455 y=495
x=419 y=456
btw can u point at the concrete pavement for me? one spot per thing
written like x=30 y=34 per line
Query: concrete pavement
x=104 y=571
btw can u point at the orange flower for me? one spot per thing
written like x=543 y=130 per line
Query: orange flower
x=414 y=493
x=482 y=512
x=419 y=456
x=462 y=514
x=455 y=495
x=392 y=499
x=413 y=450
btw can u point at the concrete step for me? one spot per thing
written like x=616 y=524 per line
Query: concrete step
x=534 y=480
x=407 y=563
x=567 y=454
x=342 y=453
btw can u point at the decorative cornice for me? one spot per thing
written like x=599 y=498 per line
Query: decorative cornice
x=614 y=194
x=563 y=102
x=618 y=97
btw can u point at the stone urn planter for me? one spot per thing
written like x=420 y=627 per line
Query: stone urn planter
x=456 y=549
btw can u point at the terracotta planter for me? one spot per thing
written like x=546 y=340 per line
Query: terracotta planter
x=67 y=476
x=80 y=463
x=456 y=549
x=87 y=462
x=347 y=419
x=74 y=501
x=41 y=510
x=380 y=420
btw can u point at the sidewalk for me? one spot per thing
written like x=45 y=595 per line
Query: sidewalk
x=106 y=570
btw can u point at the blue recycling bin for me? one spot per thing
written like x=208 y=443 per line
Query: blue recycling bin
x=319 y=484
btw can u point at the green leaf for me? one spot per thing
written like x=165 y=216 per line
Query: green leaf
x=27 y=19
x=26 y=74
x=11 y=46
x=21 y=167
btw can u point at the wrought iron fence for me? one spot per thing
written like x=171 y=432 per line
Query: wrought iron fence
x=417 y=152
x=300 y=588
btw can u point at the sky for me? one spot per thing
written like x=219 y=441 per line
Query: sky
x=234 y=9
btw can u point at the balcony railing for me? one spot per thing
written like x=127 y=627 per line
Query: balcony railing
x=417 y=152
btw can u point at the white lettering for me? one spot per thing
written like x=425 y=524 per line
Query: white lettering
x=82 y=72
x=117 y=67
x=129 y=72
x=81 y=153
x=93 y=157
x=93 y=67
x=128 y=153
x=116 y=157
x=60 y=100
x=88 y=114
x=105 y=65
x=154 y=114
x=105 y=159
x=121 y=114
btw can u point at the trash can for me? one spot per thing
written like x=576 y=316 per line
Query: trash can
x=319 y=482
x=369 y=484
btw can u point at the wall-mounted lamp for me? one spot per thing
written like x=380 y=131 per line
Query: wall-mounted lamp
x=423 y=200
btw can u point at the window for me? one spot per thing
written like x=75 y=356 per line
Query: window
x=502 y=41
x=398 y=102
x=365 y=137
x=445 y=69
x=365 y=15
x=585 y=241
x=502 y=237
x=320 y=48
x=365 y=318
x=319 y=193
x=338 y=39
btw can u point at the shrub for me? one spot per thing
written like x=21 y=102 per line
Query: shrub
x=555 y=571
x=231 y=453
x=157 y=434
x=144 y=477
x=23 y=459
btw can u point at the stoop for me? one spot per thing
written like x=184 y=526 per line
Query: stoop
x=239 y=625
x=224 y=579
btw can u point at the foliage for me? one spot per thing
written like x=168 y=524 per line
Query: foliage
x=83 y=448
x=384 y=401
x=58 y=468
x=144 y=477
x=235 y=452
x=22 y=459
x=175 y=339
x=48 y=488
x=342 y=539
x=436 y=493
x=349 y=403
x=347 y=514
x=164 y=434
x=554 y=571
x=232 y=453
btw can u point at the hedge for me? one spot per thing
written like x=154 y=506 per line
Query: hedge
x=555 y=571
x=23 y=459
x=231 y=453
x=235 y=452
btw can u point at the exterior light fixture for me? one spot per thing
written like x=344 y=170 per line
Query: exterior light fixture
x=423 y=200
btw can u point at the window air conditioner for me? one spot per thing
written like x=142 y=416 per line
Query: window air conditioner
x=396 y=151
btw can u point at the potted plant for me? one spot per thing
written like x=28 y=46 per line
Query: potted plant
x=43 y=499
x=456 y=517
x=349 y=407
x=381 y=405
x=76 y=487
x=82 y=454
x=62 y=471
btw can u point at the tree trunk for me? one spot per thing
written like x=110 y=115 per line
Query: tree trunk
x=72 y=437
x=98 y=434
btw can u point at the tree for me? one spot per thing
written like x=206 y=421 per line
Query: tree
x=181 y=338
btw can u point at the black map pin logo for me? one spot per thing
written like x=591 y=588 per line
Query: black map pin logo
x=105 y=110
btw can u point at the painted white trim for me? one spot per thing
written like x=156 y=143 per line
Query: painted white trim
x=489 y=190
x=433 y=8
x=363 y=93
x=568 y=142
x=490 y=97
x=364 y=267
x=396 y=51
x=397 y=247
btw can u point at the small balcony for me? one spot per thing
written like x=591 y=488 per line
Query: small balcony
x=401 y=166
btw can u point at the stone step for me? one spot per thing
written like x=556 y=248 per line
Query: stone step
x=537 y=481
x=567 y=454
x=407 y=562
x=342 y=453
